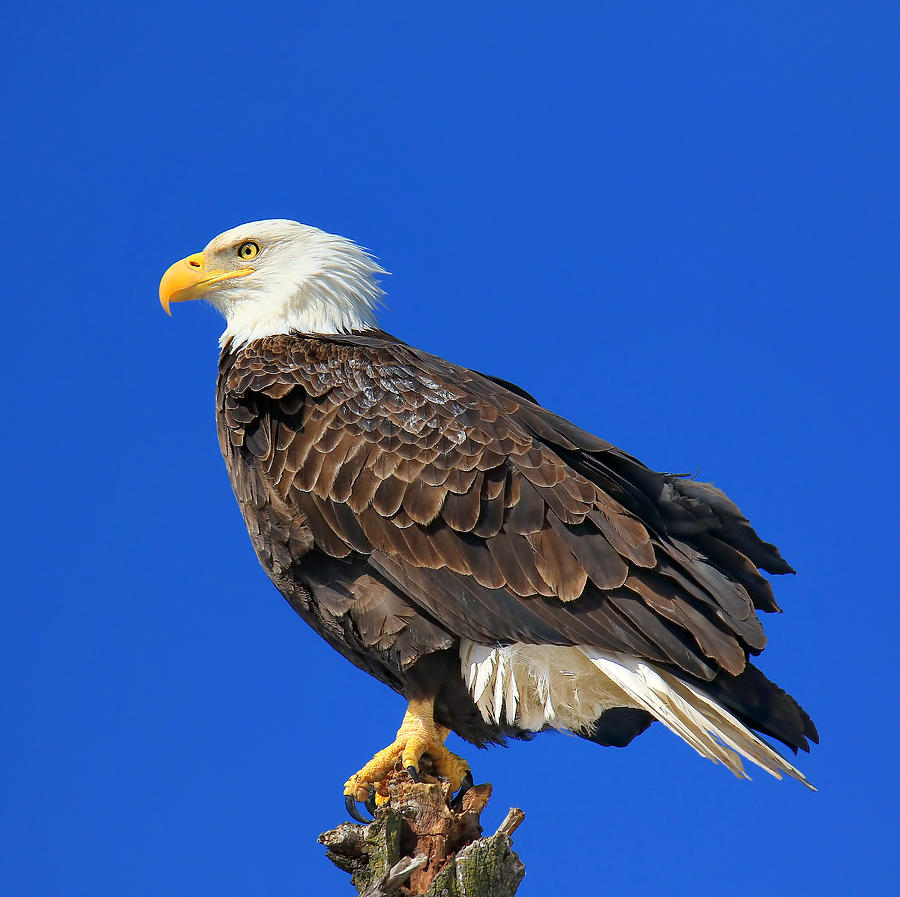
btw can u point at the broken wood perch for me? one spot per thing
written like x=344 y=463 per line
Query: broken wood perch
x=417 y=845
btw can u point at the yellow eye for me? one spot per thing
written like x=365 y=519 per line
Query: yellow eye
x=248 y=251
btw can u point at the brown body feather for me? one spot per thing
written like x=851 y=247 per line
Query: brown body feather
x=401 y=503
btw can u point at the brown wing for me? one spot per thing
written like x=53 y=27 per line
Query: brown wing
x=497 y=518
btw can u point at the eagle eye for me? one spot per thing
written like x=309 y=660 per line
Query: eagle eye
x=248 y=250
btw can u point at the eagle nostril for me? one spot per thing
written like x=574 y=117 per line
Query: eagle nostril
x=194 y=263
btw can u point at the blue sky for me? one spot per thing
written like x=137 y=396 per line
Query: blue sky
x=676 y=224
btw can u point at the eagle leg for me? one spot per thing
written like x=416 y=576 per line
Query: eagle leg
x=418 y=735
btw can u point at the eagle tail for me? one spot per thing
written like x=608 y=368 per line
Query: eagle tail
x=705 y=725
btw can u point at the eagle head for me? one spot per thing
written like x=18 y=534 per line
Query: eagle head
x=279 y=276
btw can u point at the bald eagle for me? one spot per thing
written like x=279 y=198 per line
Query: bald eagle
x=504 y=570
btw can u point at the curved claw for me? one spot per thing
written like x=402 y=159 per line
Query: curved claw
x=353 y=810
x=413 y=773
x=371 y=806
x=467 y=783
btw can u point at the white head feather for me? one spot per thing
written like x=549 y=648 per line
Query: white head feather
x=303 y=280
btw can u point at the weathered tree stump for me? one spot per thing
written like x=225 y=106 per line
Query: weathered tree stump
x=418 y=845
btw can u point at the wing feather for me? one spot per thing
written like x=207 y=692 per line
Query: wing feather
x=499 y=519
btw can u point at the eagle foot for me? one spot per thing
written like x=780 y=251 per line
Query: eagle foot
x=418 y=735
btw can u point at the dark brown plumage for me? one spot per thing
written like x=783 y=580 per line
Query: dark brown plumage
x=401 y=503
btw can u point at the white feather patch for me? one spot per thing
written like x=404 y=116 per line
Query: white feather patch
x=533 y=686
x=568 y=688
x=706 y=726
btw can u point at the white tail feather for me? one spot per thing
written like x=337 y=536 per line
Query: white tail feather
x=568 y=688
x=692 y=715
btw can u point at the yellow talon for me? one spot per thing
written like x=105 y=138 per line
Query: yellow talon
x=418 y=735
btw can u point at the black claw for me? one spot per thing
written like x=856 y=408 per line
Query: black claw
x=353 y=810
x=413 y=773
x=467 y=783
x=371 y=806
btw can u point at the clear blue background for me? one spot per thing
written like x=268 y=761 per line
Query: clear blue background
x=676 y=223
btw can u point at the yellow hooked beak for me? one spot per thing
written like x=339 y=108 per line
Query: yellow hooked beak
x=189 y=279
